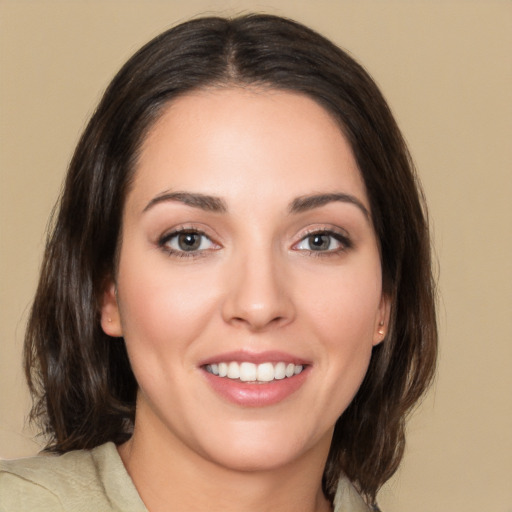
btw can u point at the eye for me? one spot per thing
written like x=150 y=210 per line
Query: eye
x=186 y=241
x=323 y=241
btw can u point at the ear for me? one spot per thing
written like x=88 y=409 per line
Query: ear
x=110 y=318
x=382 y=319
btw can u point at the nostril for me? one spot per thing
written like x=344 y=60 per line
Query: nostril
x=260 y=323
x=256 y=298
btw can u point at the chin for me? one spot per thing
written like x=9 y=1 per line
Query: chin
x=262 y=448
x=249 y=460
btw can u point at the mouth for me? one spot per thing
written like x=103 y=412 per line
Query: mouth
x=254 y=373
x=255 y=380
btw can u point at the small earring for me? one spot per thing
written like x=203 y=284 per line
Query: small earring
x=381 y=330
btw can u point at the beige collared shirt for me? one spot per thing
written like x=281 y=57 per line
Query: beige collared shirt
x=94 y=481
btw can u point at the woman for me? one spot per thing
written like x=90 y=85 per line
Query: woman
x=236 y=308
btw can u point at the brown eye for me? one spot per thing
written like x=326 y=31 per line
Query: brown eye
x=319 y=242
x=324 y=241
x=189 y=241
x=186 y=241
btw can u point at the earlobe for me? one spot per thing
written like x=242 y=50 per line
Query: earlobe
x=382 y=320
x=110 y=318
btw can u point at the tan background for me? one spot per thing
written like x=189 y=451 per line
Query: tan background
x=445 y=68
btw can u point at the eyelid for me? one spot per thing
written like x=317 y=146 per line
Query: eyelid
x=339 y=234
x=172 y=233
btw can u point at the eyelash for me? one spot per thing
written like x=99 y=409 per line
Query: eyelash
x=342 y=239
x=165 y=240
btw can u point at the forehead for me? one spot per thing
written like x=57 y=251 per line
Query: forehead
x=236 y=141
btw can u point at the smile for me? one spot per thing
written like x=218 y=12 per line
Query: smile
x=251 y=372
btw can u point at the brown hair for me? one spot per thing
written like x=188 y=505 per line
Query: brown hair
x=83 y=387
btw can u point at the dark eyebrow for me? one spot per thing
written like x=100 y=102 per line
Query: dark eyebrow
x=304 y=203
x=201 y=201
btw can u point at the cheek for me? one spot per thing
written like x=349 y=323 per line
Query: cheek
x=163 y=308
x=342 y=312
x=344 y=304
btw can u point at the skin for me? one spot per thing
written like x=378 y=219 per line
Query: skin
x=254 y=284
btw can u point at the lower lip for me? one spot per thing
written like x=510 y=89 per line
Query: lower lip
x=263 y=394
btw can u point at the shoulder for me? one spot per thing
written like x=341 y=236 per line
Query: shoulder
x=44 y=482
x=347 y=499
x=80 y=480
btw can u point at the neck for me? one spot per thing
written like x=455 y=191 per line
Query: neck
x=171 y=477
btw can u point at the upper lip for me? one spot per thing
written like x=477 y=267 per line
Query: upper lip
x=240 y=356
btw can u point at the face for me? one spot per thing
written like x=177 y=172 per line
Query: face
x=249 y=287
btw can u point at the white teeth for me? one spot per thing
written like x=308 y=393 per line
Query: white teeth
x=280 y=371
x=223 y=369
x=247 y=372
x=233 y=370
x=265 y=372
x=250 y=372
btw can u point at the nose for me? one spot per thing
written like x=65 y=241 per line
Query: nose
x=258 y=294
